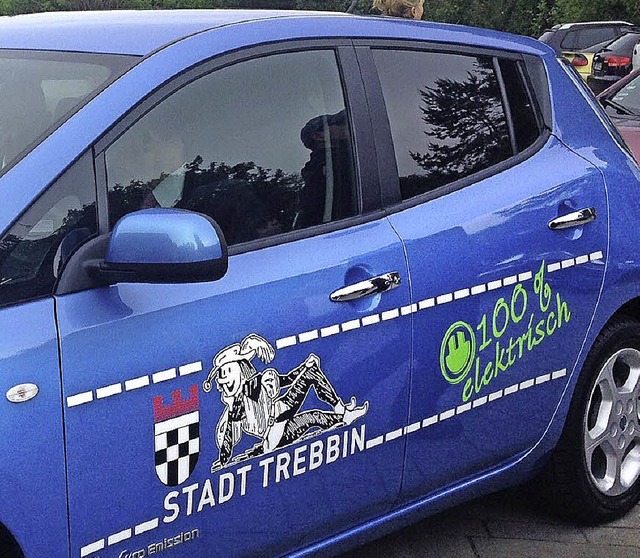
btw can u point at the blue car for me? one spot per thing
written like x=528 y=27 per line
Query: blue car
x=275 y=283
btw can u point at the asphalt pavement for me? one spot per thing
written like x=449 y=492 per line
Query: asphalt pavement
x=507 y=525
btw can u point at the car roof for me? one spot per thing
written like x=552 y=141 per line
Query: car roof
x=145 y=31
x=589 y=23
x=119 y=31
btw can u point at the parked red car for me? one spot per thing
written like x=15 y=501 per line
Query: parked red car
x=622 y=103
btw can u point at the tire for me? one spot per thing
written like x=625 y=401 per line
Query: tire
x=594 y=472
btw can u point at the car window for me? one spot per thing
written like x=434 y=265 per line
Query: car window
x=624 y=44
x=525 y=124
x=570 y=40
x=547 y=36
x=38 y=89
x=592 y=35
x=34 y=250
x=446 y=116
x=262 y=146
x=628 y=96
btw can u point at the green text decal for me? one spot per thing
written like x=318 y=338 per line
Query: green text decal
x=477 y=356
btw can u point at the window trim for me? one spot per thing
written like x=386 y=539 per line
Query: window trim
x=390 y=184
x=366 y=179
x=506 y=105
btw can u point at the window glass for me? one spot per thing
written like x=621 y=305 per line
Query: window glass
x=446 y=116
x=628 y=96
x=624 y=45
x=34 y=250
x=38 y=89
x=525 y=124
x=263 y=147
x=591 y=36
x=570 y=40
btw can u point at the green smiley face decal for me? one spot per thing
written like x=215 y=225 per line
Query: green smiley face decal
x=457 y=352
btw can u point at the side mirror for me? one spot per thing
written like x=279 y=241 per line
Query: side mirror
x=164 y=246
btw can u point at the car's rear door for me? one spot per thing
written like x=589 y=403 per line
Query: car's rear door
x=505 y=230
x=244 y=416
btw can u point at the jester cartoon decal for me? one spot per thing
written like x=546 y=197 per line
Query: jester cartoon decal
x=267 y=405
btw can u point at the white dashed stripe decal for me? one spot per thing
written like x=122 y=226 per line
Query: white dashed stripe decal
x=570 y=262
x=446 y=415
x=432 y=302
x=329 y=331
x=133 y=384
x=119 y=537
x=91 y=548
x=370 y=444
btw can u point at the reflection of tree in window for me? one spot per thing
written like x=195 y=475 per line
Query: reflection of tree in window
x=32 y=254
x=245 y=199
x=466 y=129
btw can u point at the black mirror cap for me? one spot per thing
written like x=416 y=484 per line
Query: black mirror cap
x=192 y=272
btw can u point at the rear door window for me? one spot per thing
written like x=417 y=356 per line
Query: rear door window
x=446 y=115
x=587 y=37
x=526 y=125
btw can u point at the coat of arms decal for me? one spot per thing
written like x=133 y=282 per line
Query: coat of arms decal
x=177 y=436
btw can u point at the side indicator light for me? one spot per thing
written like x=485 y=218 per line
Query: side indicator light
x=22 y=393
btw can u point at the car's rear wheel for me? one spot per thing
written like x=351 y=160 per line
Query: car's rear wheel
x=596 y=467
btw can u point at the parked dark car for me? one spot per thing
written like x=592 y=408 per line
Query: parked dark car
x=613 y=62
x=580 y=36
x=578 y=42
x=622 y=104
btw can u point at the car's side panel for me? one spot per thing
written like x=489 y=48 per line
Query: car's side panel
x=594 y=138
x=33 y=503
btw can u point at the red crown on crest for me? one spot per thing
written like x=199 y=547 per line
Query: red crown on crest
x=178 y=405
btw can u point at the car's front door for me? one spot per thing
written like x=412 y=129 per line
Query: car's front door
x=247 y=415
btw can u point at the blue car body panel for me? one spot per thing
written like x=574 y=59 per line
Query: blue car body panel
x=32 y=440
x=115 y=364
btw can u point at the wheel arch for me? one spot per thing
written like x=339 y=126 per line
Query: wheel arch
x=9 y=547
x=630 y=310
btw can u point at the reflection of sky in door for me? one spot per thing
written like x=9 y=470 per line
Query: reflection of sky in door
x=403 y=74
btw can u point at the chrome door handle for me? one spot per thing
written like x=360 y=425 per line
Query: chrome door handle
x=372 y=286
x=575 y=219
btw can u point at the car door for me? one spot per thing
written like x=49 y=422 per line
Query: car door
x=250 y=415
x=506 y=233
